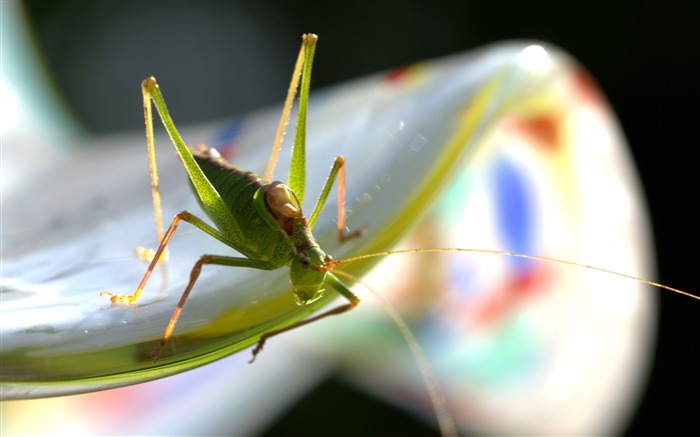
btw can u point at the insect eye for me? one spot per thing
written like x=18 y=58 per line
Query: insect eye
x=328 y=259
x=305 y=261
x=282 y=201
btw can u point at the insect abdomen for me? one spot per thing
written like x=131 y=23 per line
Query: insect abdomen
x=237 y=188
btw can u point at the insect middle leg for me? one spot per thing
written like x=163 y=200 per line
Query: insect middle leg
x=194 y=274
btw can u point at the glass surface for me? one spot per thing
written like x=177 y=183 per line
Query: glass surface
x=402 y=133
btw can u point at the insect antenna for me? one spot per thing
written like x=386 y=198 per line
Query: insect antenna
x=333 y=264
x=437 y=398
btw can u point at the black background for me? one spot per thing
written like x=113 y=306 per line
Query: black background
x=644 y=55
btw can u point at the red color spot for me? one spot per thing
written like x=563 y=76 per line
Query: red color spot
x=397 y=74
x=523 y=286
x=544 y=130
x=586 y=87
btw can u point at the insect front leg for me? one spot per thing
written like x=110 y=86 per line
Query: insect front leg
x=337 y=172
x=335 y=283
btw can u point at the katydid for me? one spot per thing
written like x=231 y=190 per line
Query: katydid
x=263 y=220
x=260 y=219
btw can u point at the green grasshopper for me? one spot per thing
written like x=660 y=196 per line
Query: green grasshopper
x=262 y=220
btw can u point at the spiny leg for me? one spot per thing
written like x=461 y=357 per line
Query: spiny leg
x=340 y=287
x=194 y=275
x=144 y=253
x=337 y=172
x=208 y=196
x=297 y=168
x=284 y=118
x=342 y=234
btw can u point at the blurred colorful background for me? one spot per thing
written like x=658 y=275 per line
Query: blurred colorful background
x=642 y=57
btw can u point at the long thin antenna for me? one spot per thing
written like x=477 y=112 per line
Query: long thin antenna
x=437 y=398
x=333 y=264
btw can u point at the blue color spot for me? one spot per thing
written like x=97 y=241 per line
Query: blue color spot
x=226 y=137
x=514 y=211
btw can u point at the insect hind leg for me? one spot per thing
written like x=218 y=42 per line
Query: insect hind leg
x=146 y=254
